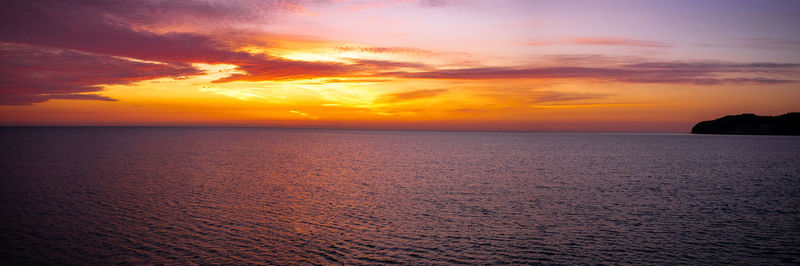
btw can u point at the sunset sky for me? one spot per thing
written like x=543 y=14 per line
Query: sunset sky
x=602 y=65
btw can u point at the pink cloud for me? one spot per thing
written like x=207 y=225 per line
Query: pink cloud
x=370 y=5
x=540 y=43
x=423 y=3
x=608 y=41
x=440 y=3
x=615 y=41
x=382 y=50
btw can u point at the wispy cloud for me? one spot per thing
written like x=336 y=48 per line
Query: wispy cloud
x=411 y=95
x=382 y=50
x=556 y=96
x=241 y=94
x=757 y=43
x=616 y=41
x=585 y=105
x=355 y=80
x=541 y=43
x=264 y=69
x=369 y=5
x=305 y=115
x=604 y=41
x=696 y=73
x=386 y=64
x=440 y=3
x=27 y=98
x=365 y=5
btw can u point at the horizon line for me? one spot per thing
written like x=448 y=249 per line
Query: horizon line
x=688 y=132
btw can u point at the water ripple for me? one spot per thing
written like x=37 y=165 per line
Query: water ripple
x=258 y=196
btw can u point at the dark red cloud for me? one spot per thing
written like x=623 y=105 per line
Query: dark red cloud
x=30 y=74
x=154 y=14
x=278 y=69
x=125 y=28
x=97 y=31
x=97 y=27
x=27 y=99
x=55 y=49
x=101 y=29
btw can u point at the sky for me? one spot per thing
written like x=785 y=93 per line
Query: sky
x=518 y=65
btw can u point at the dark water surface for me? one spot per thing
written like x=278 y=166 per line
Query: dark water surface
x=238 y=195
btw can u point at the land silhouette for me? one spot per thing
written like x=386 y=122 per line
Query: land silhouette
x=751 y=124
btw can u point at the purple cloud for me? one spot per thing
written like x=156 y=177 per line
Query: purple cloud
x=100 y=31
x=615 y=41
x=696 y=73
x=440 y=3
x=30 y=74
x=279 y=69
x=27 y=99
x=96 y=27
x=606 y=41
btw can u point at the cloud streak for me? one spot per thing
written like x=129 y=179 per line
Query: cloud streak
x=383 y=50
x=602 y=41
x=555 y=96
x=616 y=41
x=28 y=99
x=411 y=95
x=694 y=73
x=31 y=74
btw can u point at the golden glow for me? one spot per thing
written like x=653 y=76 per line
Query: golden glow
x=373 y=101
x=395 y=64
x=596 y=105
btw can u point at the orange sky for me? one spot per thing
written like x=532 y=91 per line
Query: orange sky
x=453 y=65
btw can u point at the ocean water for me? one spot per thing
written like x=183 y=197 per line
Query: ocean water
x=284 y=196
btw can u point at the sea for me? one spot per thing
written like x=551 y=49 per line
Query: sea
x=205 y=195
